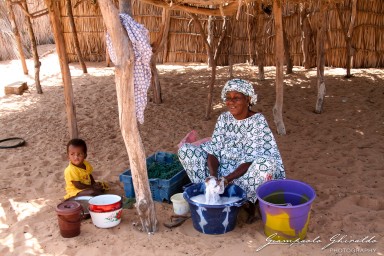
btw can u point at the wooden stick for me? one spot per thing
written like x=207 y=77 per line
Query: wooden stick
x=260 y=42
x=279 y=60
x=159 y=42
x=54 y=15
x=68 y=5
x=212 y=64
x=127 y=114
x=34 y=50
x=320 y=60
x=228 y=10
x=16 y=33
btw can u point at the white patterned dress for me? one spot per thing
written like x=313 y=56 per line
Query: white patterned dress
x=235 y=142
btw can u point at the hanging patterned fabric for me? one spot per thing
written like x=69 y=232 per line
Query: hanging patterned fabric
x=139 y=37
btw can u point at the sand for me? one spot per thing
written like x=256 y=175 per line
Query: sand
x=339 y=153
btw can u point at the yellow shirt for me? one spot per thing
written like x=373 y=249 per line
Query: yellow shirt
x=74 y=173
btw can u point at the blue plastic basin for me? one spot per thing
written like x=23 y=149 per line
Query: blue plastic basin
x=214 y=219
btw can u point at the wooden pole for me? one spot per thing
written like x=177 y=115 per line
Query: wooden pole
x=156 y=46
x=306 y=35
x=287 y=53
x=33 y=49
x=74 y=33
x=127 y=114
x=54 y=15
x=279 y=59
x=230 y=48
x=210 y=36
x=212 y=64
x=348 y=34
x=320 y=56
x=16 y=33
x=260 y=43
x=212 y=57
x=107 y=57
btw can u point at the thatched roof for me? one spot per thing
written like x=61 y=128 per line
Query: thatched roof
x=41 y=26
x=186 y=45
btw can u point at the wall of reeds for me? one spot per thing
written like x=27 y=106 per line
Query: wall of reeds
x=41 y=27
x=239 y=46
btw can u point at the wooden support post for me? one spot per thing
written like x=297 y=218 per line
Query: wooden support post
x=306 y=34
x=54 y=15
x=260 y=42
x=212 y=64
x=320 y=59
x=16 y=33
x=212 y=56
x=127 y=114
x=107 y=57
x=210 y=36
x=348 y=34
x=287 y=52
x=230 y=47
x=74 y=33
x=279 y=57
x=33 y=49
x=156 y=46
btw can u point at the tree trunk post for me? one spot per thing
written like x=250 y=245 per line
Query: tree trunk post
x=320 y=56
x=229 y=47
x=54 y=15
x=127 y=114
x=212 y=57
x=16 y=32
x=350 y=49
x=279 y=57
x=287 y=53
x=157 y=45
x=210 y=35
x=33 y=50
x=260 y=42
x=305 y=35
x=107 y=57
x=68 y=5
x=348 y=34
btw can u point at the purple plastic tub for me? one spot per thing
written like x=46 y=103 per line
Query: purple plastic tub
x=285 y=208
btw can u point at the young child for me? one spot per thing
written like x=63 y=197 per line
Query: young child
x=78 y=175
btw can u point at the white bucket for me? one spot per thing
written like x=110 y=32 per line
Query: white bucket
x=180 y=205
x=106 y=219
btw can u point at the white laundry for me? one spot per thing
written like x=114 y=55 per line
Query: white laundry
x=200 y=199
x=213 y=189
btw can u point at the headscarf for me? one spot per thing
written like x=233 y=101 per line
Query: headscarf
x=242 y=86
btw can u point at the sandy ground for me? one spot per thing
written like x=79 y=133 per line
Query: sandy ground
x=339 y=152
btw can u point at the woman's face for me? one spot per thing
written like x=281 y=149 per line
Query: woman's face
x=237 y=104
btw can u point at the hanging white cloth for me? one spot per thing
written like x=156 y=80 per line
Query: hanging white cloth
x=139 y=37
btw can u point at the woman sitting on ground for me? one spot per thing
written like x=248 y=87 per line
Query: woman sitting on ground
x=242 y=151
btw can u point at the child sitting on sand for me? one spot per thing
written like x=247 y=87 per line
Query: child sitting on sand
x=78 y=175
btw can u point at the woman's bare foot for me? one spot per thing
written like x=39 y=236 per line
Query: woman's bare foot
x=250 y=208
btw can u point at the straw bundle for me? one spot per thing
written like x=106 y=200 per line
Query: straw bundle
x=41 y=27
x=186 y=45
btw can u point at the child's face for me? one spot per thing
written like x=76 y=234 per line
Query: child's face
x=76 y=155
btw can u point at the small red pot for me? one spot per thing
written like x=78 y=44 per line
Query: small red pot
x=105 y=203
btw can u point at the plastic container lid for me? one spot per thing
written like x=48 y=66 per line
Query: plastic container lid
x=68 y=208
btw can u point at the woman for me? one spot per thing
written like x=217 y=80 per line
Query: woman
x=242 y=151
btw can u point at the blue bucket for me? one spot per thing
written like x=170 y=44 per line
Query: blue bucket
x=214 y=219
